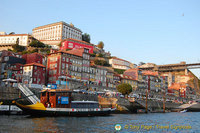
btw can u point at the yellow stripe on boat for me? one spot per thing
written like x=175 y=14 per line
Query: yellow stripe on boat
x=37 y=106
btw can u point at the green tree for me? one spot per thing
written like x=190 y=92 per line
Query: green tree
x=11 y=33
x=119 y=71
x=101 y=62
x=100 y=55
x=60 y=44
x=36 y=43
x=86 y=37
x=18 y=48
x=124 y=88
x=100 y=45
x=93 y=55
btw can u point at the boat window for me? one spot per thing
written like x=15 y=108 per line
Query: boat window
x=84 y=105
x=43 y=93
x=52 y=94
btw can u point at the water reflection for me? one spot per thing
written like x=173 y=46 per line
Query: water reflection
x=128 y=122
x=44 y=124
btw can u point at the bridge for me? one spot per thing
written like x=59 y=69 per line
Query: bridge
x=171 y=67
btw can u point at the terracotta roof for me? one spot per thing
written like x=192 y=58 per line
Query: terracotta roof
x=77 y=52
x=33 y=54
x=150 y=73
x=51 y=40
x=34 y=64
x=16 y=35
x=177 y=86
x=56 y=23
x=71 y=39
x=128 y=77
x=120 y=59
x=132 y=69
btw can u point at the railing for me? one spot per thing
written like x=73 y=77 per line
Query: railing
x=184 y=106
x=143 y=103
x=27 y=92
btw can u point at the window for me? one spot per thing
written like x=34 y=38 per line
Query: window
x=6 y=58
x=63 y=58
x=63 y=65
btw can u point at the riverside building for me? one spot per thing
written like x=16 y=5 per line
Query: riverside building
x=7 y=41
x=54 y=33
x=118 y=63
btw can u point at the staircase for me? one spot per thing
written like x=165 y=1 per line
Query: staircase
x=143 y=103
x=28 y=93
x=184 y=106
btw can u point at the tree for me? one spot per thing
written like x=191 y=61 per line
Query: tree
x=18 y=48
x=119 y=71
x=86 y=37
x=100 y=55
x=101 y=62
x=36 y=43
x=124 y=88
x=11 y=33
x=141 y=63
x=100 y=45
x=60 y=44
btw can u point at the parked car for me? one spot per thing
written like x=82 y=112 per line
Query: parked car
x=122 y=96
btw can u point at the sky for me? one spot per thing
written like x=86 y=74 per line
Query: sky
x=150 y=31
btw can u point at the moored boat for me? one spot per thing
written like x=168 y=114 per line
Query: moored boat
x=60 y=103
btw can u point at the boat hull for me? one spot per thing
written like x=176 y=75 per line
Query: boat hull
x=66 y=111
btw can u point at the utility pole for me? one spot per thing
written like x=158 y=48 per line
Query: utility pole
x=147 y=90
x=164 y=91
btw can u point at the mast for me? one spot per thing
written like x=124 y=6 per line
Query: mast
x=146 y=102
x=147 y=90
x=164 y=96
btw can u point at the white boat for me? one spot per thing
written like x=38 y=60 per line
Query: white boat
x=183 y=111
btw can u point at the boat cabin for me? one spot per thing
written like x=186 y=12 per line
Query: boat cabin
x=84 y=104
x=56 y=98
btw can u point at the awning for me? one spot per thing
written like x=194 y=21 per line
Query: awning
x=9 y=80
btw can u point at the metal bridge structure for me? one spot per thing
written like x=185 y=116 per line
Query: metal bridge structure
x=171 y=67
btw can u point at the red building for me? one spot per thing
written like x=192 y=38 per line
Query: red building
x=134 y=73
x=76 y=44
x=34 y=74
x=75 y=64
x=16 y=71
x=58 y=64
x=33 y=58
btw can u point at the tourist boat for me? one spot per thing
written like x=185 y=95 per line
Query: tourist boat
x=183 y=111
x=60 y=103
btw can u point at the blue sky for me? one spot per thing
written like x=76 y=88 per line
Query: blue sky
x=155 y=31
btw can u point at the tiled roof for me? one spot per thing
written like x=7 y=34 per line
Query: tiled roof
x=127 y=77
x=150 y=73
x=177 y=86
x=34 y=64
x=71 y=39
x=77 y=52
x=120 y=59
x=15 y=35
x=132 y=69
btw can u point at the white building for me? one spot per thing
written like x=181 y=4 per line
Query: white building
x=24 y=39
x=53 y=34
x=118 y=63
x=2 y=33
x=6 y=41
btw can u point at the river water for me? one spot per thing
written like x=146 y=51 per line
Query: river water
x=152 y=122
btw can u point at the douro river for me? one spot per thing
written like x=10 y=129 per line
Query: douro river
x=152 y=122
